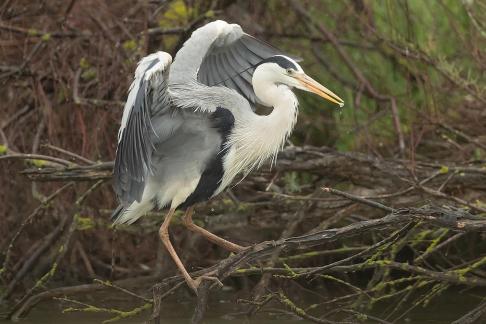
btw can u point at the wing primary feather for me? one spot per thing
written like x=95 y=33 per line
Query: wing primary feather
x=208 y=63
x=132 y=163
x=240 y=61
x=247 y=76
x=248 y=55
x=245 y=67
x=245 y=88
x=212 y=71
x=225 y=76
x=202 y=75
x=244 y=72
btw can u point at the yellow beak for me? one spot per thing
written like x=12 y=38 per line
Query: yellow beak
x=312 y=85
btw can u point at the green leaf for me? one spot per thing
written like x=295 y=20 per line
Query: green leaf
x=130 y=45
x=46 y=37
x=33 y=32
x=210 y=14
x=444 y=169
x=83 y=63
x=38 y=163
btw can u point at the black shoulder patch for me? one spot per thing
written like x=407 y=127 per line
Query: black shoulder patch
x=282 y=61
x=223 y=121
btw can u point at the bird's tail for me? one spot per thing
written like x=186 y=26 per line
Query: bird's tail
x=117 y=213
x=130 y=214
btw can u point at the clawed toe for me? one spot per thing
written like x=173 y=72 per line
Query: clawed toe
x=215 y=279
x=238 y=248
x=194 y=283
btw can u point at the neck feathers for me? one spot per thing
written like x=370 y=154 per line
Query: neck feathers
x=256 y=139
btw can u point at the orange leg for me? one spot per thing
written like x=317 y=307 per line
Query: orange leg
x=164 y=236
x=187 y=220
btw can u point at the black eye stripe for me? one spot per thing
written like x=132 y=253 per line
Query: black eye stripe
x=281 y=61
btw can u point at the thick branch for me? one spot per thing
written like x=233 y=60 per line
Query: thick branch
x=357 y=168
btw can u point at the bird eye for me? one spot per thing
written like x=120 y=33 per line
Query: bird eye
x=289 y=71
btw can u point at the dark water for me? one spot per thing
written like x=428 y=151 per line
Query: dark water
x=445 y=309
x=51 y=313
x=177 y=309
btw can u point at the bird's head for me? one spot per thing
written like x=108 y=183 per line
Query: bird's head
x=280 y=69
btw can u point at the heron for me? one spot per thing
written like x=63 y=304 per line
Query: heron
x=189 y=125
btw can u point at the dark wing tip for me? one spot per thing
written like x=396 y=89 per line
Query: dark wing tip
x=277 y=50
x=117 y=213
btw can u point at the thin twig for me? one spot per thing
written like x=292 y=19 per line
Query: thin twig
x=358 y=199
x=23 y=156
x=68 y=153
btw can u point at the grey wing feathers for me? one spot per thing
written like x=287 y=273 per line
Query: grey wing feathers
x=231 y=62
x=146 y=97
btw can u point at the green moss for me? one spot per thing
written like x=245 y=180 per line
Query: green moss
x=480 y=263
x=38 y=163
x=243 y=207
x=435 y=292
x=444 y=169
x=3 y=149
x=361 y=317
x=287 y=302
x=209 y=14
x=332 y=278
x=291 y=272
x=46 y=37
x=89 y=74
x=292 y=182
x=33 y=32
x=441 y=233
x=131 y=313
x=63 y=94
x=477 y=203
x=245 y=270
x=177 y=12
x=84 y=223
x=420 y=237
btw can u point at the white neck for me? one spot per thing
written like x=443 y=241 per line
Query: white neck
x=272 y=130
x=256 y=138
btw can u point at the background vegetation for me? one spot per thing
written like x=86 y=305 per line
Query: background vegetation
x=412 y=136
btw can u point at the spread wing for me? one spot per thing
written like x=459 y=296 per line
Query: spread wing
x=220 y=54
x=147 y=95
x=232 y=59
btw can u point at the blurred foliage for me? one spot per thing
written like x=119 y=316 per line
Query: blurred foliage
x=411 y=50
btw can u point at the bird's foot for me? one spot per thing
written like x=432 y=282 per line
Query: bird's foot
x=194 y=283
x=235 y=248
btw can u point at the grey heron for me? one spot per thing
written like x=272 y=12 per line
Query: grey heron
x=189 y=126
